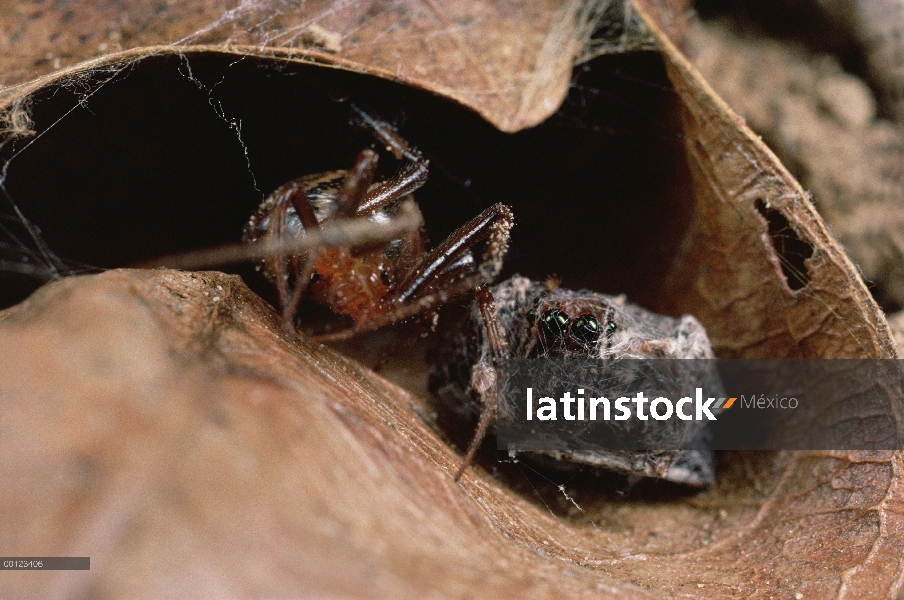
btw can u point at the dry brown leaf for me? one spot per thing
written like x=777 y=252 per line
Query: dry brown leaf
x=509 y=60
x=190 y=449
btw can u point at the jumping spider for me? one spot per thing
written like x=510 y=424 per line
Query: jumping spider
x=523 y=319
x=375 y=283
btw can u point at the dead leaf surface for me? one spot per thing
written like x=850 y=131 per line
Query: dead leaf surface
x=510 y=60
x=192 y=450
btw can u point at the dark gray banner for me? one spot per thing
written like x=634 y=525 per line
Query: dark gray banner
x=581 y=406
x=45 y=563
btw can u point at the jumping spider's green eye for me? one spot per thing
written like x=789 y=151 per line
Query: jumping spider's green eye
x=531 y=316
x=610 y=328
x=553 y=324
x=586 y=329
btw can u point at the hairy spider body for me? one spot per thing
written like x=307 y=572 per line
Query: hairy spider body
x=374 y=282
x=352 y=282
x=523 y=319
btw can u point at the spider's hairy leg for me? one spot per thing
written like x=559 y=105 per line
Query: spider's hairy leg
x=409 y=178
x=354 y=189
x=284 y=265
x=497 y=244
x=444 y=263
x=387 y=135
x=483 y=374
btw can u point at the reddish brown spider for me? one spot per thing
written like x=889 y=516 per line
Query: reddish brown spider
x=376 y=282
x=354 y=244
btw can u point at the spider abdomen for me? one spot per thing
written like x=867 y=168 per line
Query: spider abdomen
x=352 y=285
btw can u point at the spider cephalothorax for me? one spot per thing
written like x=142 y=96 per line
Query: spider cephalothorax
x=565 y=326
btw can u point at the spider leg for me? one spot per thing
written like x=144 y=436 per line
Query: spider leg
x=493 y=224
x=283 y=264
x=385 y=133
x=483 y=374
x=354 y=189
x=408 y=179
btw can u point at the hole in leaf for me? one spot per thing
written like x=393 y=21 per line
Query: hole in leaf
x=791 y=250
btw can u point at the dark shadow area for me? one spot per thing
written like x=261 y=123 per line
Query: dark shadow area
x=791 y=250
x=156 y=161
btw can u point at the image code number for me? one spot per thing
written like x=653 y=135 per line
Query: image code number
x=45 y=563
